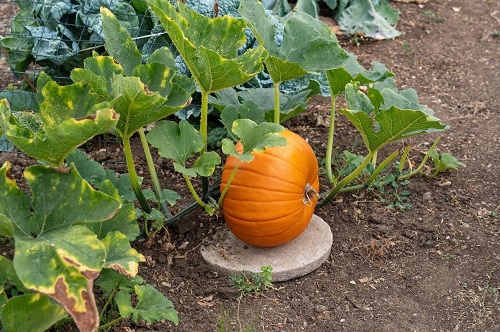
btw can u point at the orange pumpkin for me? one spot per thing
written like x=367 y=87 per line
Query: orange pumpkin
x=271 y=199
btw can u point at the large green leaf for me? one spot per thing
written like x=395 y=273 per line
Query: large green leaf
x=391 y=125
x=210 y=47
x=180 y=142
x=308 y=45
x=63 y=264
x=65 y=125
x=14 y=204
x=61 y=199
x=30 y=312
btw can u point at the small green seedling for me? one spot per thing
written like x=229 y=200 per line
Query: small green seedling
x=254 y=283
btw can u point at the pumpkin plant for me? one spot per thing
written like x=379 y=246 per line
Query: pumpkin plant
x=209 y=47
x=60 y=246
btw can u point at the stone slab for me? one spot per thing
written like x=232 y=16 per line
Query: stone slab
x=230 y=256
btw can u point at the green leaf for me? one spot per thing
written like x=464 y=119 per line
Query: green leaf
x=391 y=125
x=258 y=105
x=253 y=137
x=110 y=280
x=61 y=199
x=123 y=300
x=120 y=256
x=65 y=125
x=248 y=110
x=164 y=56
x=210 y=47
x=136 y=105
x=119 y=44
x=308 y=6
x=63 y=265
x=405 y=99
x=357 y=100
x=170 y=196
x=8 y=273
x=125 y=222
x=351 y=70
x=178 y=142
x=30 y=312
x=123 y=184
x=444 y=161
x=89 y=169
x=153 y=306
x=14 y=204
x=98 y=72
x=203 y=166
x=364 y=16
x=308 y=44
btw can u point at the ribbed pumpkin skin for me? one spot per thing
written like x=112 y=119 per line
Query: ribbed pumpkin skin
x=264 y=205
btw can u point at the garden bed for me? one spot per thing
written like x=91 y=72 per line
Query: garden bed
x=433 y=266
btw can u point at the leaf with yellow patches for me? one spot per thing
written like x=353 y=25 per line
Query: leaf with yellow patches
x=120 y=256
x=63 y=264
x=66 y=123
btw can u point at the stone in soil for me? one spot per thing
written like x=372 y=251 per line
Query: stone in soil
x=230 y=256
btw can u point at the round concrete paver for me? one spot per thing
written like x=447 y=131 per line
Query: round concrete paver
x=230 y=256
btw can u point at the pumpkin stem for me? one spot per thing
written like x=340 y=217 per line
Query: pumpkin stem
x=309 y=193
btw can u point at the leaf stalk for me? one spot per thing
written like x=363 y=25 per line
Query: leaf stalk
x=345 y=181
x=153 y=173
x=134 y=181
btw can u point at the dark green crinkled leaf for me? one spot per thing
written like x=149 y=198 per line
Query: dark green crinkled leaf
x=374 y=21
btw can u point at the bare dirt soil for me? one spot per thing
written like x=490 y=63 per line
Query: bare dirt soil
x=432 y=267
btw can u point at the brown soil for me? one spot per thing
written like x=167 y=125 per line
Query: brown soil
x=433 y=267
